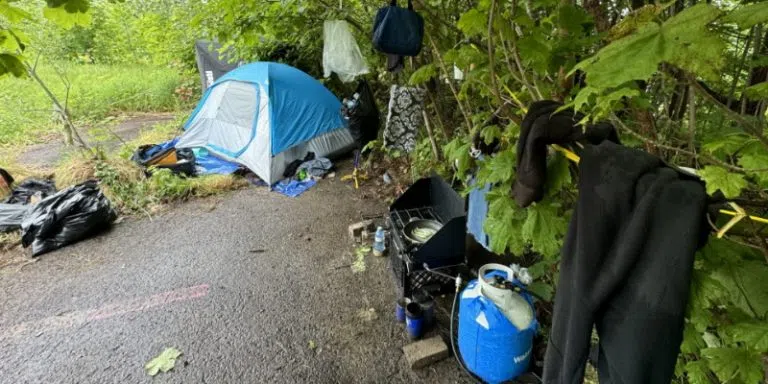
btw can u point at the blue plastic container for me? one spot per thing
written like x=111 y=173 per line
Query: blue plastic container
x=414 y=320
x=490 y=345
x=400 y=310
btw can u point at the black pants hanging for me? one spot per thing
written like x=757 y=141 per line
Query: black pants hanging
x=626 y=267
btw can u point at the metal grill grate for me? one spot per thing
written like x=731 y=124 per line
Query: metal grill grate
x=402 y=217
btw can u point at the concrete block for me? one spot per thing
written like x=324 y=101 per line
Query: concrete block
x=356 y=230
x=425 y=352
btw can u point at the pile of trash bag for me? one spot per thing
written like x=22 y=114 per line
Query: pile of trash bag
x=11 y=216
x=27 y=189
x=15 y=207
x=66 y=217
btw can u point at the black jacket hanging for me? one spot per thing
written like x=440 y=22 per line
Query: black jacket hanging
x=398 y=31
x=543 y=126
x=626 y=268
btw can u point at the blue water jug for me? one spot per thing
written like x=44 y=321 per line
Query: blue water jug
x=491 y=346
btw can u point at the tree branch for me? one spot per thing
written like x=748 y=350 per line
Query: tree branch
x=467 y=117
x=700 y=156
x=751 y=129
x=491 y=54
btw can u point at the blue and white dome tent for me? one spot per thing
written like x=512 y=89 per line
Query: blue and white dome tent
x=266 y=115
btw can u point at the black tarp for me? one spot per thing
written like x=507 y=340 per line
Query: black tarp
x=210 y=63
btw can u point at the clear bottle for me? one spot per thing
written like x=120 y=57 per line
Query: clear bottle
x=378 y=242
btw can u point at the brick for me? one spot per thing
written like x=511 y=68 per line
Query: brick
x=356 y=230
x=425 y=352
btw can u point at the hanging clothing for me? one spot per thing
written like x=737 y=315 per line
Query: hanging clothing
x=341 y=54
x=541 y=127
x=626 y=268
x=395 y=63
x=406 y=105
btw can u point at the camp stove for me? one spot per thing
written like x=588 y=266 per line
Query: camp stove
x=429 y=205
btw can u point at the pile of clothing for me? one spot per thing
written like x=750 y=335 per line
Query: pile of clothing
x=301 y=175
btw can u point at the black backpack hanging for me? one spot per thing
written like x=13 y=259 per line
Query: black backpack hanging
x=398 y=31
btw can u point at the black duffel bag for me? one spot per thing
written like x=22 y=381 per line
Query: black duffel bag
x=398 y=31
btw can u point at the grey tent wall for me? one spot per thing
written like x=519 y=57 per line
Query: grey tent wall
x=210 y=63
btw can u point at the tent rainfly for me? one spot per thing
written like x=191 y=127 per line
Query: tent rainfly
x=266 y=115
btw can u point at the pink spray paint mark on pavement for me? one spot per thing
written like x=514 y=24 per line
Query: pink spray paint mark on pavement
x=80 y=318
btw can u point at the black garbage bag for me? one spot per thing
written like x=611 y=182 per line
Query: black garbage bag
x=67 y=217
x=364 y=118
x=11 y=216
x=23 y=192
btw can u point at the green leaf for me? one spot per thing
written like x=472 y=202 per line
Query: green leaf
x=535 y=50
x=744 y=286
x=754 y=335
x=12 y=64
x=697 y=372
x=13 y=14
x=473 y=22
x=635 y=20
x=543 y=290
x=727 y=144
x=584 y=97
x=706 y=291
x=718 y=252
x=558 y=174
x=684 y=40
x=758 y=91
x=689 y=43
x=692 y=341
x=735 y=363
x=544 y=228
x=8 y=42
x=757 y=160
x=572 y=18
x=68 y=13
x=498 y=169
x=634 y=57
x=457 y=151
x=423 y=74
x=718 y=178
x=164 y=362
x=503 y=222
x=748 y=15
x=490 y=133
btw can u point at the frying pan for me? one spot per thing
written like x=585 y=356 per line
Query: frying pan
x=413 y=225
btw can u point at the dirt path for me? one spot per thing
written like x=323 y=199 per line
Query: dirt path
x=46 y=155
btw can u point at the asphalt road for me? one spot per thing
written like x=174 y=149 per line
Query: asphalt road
x=244 y=284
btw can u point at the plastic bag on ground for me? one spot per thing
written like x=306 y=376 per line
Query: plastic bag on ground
x=341 y=54
x=69 y=216
x=24 y=191
x=11 y=216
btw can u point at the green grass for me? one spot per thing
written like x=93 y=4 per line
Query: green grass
x=96 y=91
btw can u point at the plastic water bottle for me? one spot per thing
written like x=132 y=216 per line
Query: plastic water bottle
x=378 y=242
